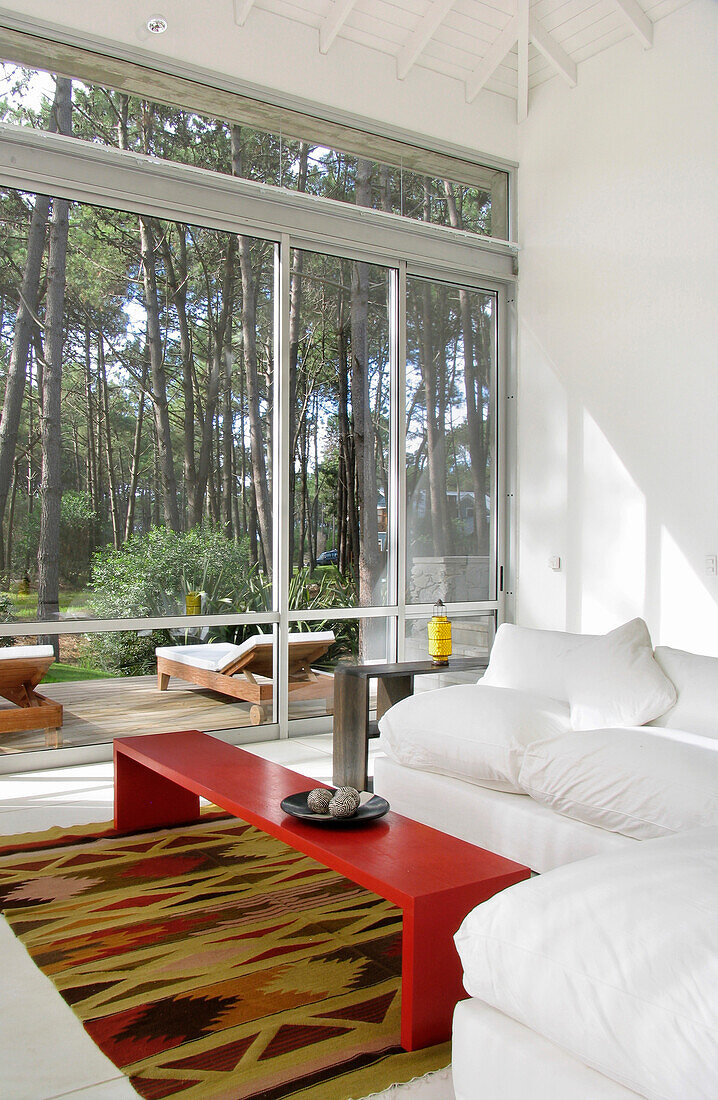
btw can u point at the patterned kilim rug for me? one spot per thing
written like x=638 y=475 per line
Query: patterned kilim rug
x=214 y=961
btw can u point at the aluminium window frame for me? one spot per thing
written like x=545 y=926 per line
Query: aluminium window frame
x=38 y=162
x=49 y=46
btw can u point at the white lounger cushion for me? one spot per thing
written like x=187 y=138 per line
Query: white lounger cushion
x=17 y=652
x=470 y=731
x=614 y=959
x=696 y=681
x=216 y=656
x=641 y=782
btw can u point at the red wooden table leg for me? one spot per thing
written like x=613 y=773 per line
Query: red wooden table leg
x=144 y=799
x=432 y=976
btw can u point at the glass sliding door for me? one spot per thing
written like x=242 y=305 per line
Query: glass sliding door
x=144 y=426
x=154 y=481
x=450 y=443
x=340 y=385
x=136 y=367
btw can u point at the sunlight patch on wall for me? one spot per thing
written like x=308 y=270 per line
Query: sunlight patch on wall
x=689 y=610
x=543 y=486
x=614 y=536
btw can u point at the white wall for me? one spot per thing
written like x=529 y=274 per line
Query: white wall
x=618 y=340
x=284 y=55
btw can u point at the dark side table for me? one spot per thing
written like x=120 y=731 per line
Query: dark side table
x=352 y=728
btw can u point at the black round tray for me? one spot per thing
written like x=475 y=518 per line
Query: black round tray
x=296 y=805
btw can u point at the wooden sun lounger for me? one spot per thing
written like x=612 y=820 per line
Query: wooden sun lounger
x=21 y=670
x=248 y=675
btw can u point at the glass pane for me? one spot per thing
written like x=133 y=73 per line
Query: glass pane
x=450 y=460
x=107 y=685
x=339 y=431
x=343 y=641
x=109 y=117
x=146 y=488
x=461 y=206
x=471 y=636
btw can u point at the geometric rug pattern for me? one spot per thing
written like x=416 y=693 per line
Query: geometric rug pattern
x=214 y=962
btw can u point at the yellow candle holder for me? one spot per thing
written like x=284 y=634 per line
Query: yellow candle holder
x=439 y=629
x=193 y=603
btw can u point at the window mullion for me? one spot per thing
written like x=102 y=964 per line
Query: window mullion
x=282 y=459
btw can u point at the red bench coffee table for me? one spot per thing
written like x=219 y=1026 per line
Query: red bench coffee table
x=434 y=878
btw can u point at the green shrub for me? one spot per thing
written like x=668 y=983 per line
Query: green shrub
x=7 y=615
x=78 y=523
x=151 y=575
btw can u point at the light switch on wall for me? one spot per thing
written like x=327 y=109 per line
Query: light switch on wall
x=554 y=563
x=711 y=565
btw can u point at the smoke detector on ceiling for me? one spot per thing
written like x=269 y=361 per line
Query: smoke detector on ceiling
x=157 y=24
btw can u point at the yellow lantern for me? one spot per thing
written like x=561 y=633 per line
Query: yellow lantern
x=439 y=635
x=193 y=603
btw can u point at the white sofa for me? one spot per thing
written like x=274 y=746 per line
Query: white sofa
x=573 y=747
x=493 y=762
x=597 y=979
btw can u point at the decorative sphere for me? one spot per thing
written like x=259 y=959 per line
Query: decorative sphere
x=350 y=792
x=318 y=800
x=345 y=803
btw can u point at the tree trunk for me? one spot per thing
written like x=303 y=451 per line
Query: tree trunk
x=90 y=412
x=474 y=400
x=177 y=277
x=351 y=541
x=48 y=557
x=11 y=517
x=136 y=450
x=219 y=335
x=369 y=556
x=227 y=433
x=111 y=484
x=26 y=317
x=163 y=437
x=256 y=421
x=159 y=376
x=436 y=447
x=295 y=307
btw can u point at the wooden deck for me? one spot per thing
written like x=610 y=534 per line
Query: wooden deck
x=96 y=711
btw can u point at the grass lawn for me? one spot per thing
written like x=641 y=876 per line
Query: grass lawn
x=60 y=673
x=25 y=605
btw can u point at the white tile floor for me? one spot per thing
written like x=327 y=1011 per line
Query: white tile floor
x=44 y=1051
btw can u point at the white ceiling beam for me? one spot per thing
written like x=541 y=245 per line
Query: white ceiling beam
x=333 y=22
x=522 y=26
x=425 y=29
x=492 y=60
x=242 y=9
x=637 y=20
x=554 y=54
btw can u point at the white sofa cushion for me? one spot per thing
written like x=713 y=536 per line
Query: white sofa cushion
x=470 y=731
x=638 y=781
x=614 y=959
x=608 y=679
x=614 y=680
x=696 y=682
x=530 y=660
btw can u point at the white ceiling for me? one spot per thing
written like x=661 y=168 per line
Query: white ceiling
x=506 y=46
